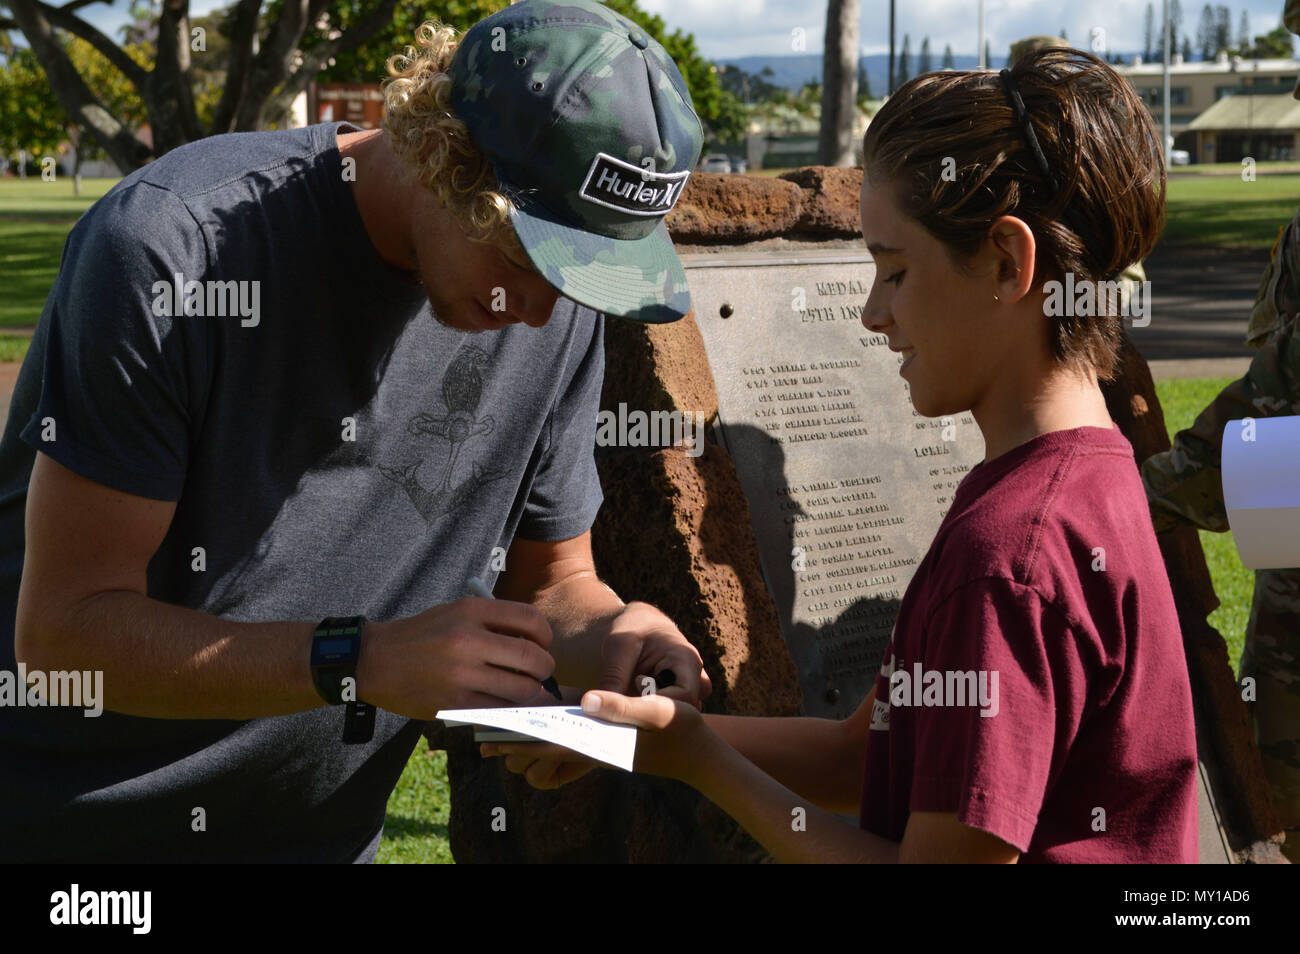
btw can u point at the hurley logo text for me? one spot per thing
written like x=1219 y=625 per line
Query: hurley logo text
x=620 y=185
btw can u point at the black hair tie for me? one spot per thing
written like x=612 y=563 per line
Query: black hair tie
x=1022 y=117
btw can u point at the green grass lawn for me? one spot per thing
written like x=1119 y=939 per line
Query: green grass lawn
x=30 y=250
x=1224 y=211
x=35 y=217
x=35 y=197
x=13 y=347
x=415 y=827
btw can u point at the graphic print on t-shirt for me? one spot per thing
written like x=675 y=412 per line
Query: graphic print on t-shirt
x=462 y=389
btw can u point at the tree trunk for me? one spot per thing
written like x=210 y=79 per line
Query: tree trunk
x=76 y=98
x=839 y=83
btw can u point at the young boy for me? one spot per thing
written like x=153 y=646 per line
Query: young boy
x=1034 y=701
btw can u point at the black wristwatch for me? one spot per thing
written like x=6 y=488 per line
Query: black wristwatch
x=335 y=649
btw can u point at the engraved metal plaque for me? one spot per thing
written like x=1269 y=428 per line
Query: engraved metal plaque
x=846 y=483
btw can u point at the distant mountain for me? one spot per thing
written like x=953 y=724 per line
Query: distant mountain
x=792 y=72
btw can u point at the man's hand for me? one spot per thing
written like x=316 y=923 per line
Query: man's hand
x=670 y=733
x=462 y=655
x=642 y=643
x=600 y=642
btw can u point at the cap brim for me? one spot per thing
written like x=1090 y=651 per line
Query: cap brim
x=640 y=279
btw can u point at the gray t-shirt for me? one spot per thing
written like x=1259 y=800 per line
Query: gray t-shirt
x=333 y=451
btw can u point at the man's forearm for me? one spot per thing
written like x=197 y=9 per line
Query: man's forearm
x=581 y=610
x=169 y=662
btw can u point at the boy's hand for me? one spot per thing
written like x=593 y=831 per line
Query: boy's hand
x=669 y=730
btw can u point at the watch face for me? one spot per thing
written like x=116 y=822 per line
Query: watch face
x=329 y=649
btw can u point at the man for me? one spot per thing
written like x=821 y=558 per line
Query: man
x=255 y=406
x=1185 y=483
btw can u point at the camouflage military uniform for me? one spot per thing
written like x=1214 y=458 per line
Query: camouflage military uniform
x=1185 y=483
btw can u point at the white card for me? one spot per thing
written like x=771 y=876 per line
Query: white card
x=568 y=726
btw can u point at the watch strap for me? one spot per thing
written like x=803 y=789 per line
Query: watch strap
x=336 y=647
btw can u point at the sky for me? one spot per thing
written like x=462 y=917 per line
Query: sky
x=725 y=29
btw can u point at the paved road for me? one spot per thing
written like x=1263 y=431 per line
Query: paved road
x=1200 y=303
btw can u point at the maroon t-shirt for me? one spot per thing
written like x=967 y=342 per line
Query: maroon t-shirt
x=1035 y=682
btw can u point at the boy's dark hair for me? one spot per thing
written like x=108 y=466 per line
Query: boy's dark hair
x=1101 y=146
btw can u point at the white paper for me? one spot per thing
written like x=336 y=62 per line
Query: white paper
x=1261 y=490
x=568 y=726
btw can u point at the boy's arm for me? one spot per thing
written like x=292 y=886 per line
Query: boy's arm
x=794 y=832
x=787 y=825
x=677 y=742
x=822 y=759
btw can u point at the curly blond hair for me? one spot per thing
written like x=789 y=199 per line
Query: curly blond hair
x=427 y=134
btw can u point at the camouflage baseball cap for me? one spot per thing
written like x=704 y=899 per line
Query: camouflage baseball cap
x=591 y=131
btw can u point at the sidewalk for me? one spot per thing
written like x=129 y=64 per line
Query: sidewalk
x=1201 y=300
x=8 y=378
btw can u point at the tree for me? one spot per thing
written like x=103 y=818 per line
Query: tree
x=903 y=60
x=839 y=83
x=807 y=102
x=749 y=87
x=1243 y=34
x=1187 y=49
x=1222 y=29
x=280 y=67
x=1276 y=44
x=1064 y=35
x=988 y=54
x=948 y=61
x=365 y=63
x=32 y=120
x=864 y=84
x=26 y=121
x=923 y=64
x=1175 y=25
x=1148 y=33
x=1205 y=34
